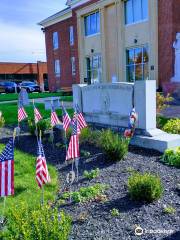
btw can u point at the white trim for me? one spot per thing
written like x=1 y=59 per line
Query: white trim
x=56 y=18
x=137 y=22
x=76 y=3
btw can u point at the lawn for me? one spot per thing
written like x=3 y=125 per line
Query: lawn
x=26 y=188
x=14 y=96
x=9 y=112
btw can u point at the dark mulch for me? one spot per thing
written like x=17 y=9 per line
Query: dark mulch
x=99 y=223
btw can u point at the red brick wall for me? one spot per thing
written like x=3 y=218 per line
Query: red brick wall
x=63 y=53
x=168 y=25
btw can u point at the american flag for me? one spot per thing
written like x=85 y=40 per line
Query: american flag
x=66 y=119
x=73 y=149
x=81 y=120
x=37 y=115
x=42 y=174
x=21 y=114
x=7 y=170
x=54 y=118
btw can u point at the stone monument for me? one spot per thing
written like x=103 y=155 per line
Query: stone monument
x=176 y=46
x=23 y=99
x=109 y=105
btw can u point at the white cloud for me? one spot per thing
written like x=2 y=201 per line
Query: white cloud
x=21 y=44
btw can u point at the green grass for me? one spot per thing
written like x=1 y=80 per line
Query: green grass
x=14 y=96
x=26 y=188
x=9 y=111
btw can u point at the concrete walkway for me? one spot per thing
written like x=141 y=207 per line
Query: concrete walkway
x=40 y=100
x=172 y=111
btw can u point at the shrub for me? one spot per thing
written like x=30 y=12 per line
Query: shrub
x=86 y=193
x=169 y=210
x=172 y=126
x=172 y=157
x=161 y=121
x=115 y=212
x=89 y=136
x=114 y=146
x=91 y=174
x=2 y=121
x=144 y=187
x=43 y=125
x=162 y=102
x=43 y=223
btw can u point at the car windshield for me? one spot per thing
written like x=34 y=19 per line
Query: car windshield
x=28 y=84
x=8 y=83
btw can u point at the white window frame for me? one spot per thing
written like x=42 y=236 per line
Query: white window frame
x=97 y=24
x=138 y=21
x=55 y=40
x=134 y=65
x=73 y=66
x=71 y=35
x=57 y=68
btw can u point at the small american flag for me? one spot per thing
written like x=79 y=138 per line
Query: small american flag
x=42 y=174
x=81 y=120
x=73 y=149
x=66 y=119
x=37 y=115
x=54 y=118
x=21 y=114
x=7 y=170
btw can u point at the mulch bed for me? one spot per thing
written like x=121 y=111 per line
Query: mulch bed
x=98 y=222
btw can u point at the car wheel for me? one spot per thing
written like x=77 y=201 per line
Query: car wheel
x=28 y=90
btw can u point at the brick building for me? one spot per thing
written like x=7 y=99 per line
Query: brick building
x=112 y=40
x=18 y=72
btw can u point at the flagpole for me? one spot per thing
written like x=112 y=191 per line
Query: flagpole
x=42 y=189
x=65 y=135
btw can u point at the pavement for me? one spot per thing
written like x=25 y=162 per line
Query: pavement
x=173 y=111
x=40 y=100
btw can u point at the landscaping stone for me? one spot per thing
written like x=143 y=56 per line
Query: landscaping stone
x=99 y=223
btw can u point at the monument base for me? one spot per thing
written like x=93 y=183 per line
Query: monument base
x=159 y=142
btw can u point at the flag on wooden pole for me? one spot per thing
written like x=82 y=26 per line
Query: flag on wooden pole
x=7 y=170
x=80 y=118
x=42 y=174
x=37 y=115
x=66 y=119
x=21 y=114
x=54 y=118
x=73 y=149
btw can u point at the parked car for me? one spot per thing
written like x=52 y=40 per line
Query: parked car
x=8 y=87
x=29 y=86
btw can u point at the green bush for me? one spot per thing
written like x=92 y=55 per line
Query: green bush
x=92 y=174
x=86 y=193
x=89 y=136
x=2 y=121
x=43 y=125
x=161 y=121
x=172 y=126
x=162 y=102
x=114 y=146
x=172 y=157
x=144 y=187
x=43 y=223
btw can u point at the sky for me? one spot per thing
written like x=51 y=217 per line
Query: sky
x=21 y=39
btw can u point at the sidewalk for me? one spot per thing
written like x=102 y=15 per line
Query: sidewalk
x=172 y=111
x=40 y=100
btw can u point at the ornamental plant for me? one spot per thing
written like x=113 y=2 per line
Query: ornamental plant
x=172 y=126
x=38 y=223
x=114 y=146
x=145 y=187
x=162 y=102
x=43 y=125
x=172 y=157
x=91 y=174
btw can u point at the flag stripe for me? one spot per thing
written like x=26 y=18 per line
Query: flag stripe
x=12 y=178
x=0 y=178
x=3 y=180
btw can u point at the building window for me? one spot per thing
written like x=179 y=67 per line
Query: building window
x=136 y=11
x=55 y=40
x=71 y=35
x=92 y=24
x=137 y=64
x=94 y=68
x=57 y=68
x=73 y=66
